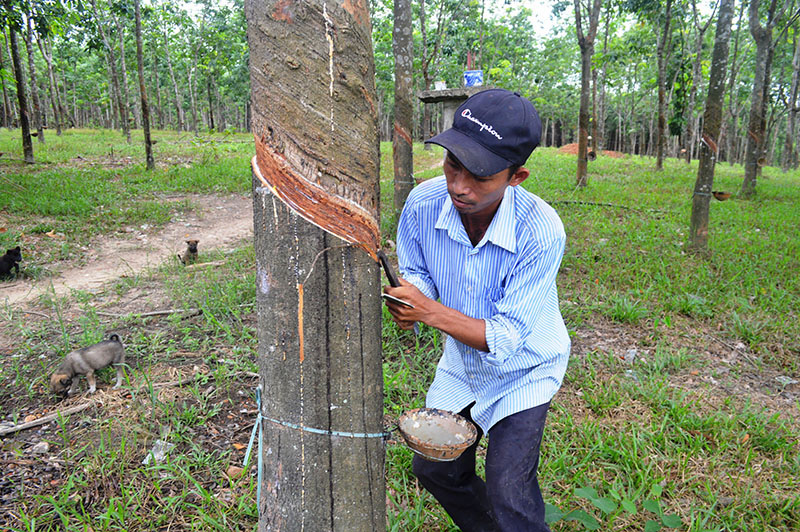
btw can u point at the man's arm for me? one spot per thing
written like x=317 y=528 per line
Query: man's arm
x=469 y=331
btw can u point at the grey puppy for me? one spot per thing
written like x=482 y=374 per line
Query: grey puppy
x=86 y=361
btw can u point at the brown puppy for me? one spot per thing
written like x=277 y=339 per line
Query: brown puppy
x=190 y=256
x=86 y=361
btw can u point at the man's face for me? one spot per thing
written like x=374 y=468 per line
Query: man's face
x=473 y=195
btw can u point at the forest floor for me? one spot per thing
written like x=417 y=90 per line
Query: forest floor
x=192 y=375
x=217 y=222
x=221 y=224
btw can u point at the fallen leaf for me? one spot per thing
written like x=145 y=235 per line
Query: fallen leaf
x=30 y=417
x=239 y=446
x=234 y=471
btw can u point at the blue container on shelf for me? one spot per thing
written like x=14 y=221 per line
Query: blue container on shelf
x=473 y=78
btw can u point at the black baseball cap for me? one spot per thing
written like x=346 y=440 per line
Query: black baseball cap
x=492 y=130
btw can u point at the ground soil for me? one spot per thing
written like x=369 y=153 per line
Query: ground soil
x=572 y=149
x=722 y=368
x=218 y=222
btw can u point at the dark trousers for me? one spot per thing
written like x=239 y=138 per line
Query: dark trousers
x=510 y=499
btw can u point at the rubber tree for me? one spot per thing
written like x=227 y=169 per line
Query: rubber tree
x=588 y=15
x=402 y=154
x=13 y=22
x=148 y=144
x=315 y=194
x=712 y=123
x=756 y=150
x=662 y=57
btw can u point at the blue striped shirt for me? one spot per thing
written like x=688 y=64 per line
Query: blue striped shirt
x=508 y=280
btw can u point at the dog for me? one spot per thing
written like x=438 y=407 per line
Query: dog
x=86 y=361
x=10 y=260
x=190 y=255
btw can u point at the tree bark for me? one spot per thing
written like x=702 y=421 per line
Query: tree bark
x=402 y=143
x=124 y=68
x=192 y=91
x=148 y=145
x=733 y=108
x=756 y=150
x=314 y=119
x=586 y=43
x=37 y=108
x=790 y=158
x=210 y=105
x=8 y=110
x=156 y=84
x=19 y=75
x=662 y=56
x=178 y=100
x=712 y=122
x=112 y=62
x=689 y=133
x=55 y=97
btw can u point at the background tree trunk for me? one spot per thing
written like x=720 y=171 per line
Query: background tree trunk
x=790 y=159
x=124 y=81
x=37 y=108
x=8 y=110
x=178 y=100
x=148 y=145
x=756 y=131
x=689 y=134
x=19 y=75
x=586 y=43
x=403 y=47
x=55 y=97
x=316 y=233
x=112 y=64
x=662 y=56
x=712 y=122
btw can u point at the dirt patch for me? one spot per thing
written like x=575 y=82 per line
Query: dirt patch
x=219 y=222
x=572 y=149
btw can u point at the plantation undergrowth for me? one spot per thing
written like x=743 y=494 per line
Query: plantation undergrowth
x=680 y=407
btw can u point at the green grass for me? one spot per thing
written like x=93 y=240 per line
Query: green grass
x=91 y=182
x=679 y=431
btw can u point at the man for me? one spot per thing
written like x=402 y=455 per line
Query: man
x=479 y=257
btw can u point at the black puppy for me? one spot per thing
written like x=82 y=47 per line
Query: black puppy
x=10 y=260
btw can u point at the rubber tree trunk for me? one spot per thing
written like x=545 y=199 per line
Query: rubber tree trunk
x=403 y=48
x=790 y=159
x=148 y=144
x=712 y=123
x=662 y=56
x=316 y=183
x=112 y=64
x=590 y=14
x=178 y=96
x=38 y=118
x=19 y=75
x=756 y=151
x=123 y=72
x=55 y=98
x=8 y=110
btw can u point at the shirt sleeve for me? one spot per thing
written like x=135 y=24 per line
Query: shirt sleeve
x=529 y=292
x=410 y=256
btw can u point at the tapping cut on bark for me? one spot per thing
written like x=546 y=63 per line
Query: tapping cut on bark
x=327 y=211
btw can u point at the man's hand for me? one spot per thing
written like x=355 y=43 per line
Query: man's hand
x=405 y=316
x=467 y=330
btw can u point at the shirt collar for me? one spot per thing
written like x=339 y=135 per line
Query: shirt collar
x=501 y=231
